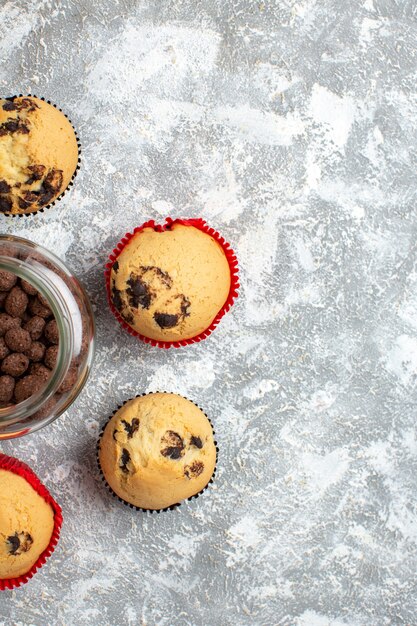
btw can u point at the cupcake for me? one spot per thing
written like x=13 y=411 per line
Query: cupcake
x=38 y=154
x=157 y=450
x=30 y=522
x=171 y=284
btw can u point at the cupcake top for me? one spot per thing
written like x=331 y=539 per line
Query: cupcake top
x=170 y=285
x=38 y=154
x=157 y=450
x=26 y=525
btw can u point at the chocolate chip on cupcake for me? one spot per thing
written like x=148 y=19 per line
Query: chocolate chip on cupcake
x=38 y=154
x=157 y=450
x=170 y=285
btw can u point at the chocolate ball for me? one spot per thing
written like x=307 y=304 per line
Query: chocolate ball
x=16 y=302
x=69 y=380
x=15 y=364
x=36 y=308
x=18 y=339
x=51 y=332
x=40 y=370
x=36 y=351
x=7 y=322
x=7 y=280
x=7 y=384
x=4 y=350
x=3 y=296
x=27 y=386
x=43 y=300
x=51 y=356
x=26 y=317
x=35 y=327
x=28 y=287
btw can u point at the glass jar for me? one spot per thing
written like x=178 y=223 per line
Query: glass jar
x=75 y=322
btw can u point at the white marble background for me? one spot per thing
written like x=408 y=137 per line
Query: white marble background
x=290 y=126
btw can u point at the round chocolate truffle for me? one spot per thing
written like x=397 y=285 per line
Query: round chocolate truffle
x=7 y=322
x=7 y=384
x=51 y=356
x=28 y=287
x=27 y=386
x=36 y=308
x=16 y=302
x=36 y=351
x=51 y=332
x=35 y=327
x=7 y=280
x=18 y=339
x=15 y=364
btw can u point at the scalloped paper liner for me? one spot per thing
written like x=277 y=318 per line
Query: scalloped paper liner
x=234 y=279
x=172 y=507
x=70 y=184
x=21 y=469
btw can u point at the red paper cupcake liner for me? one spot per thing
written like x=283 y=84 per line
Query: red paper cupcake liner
x=172 y=507
x=70 y=184
x=21 y=469
x=234 y=279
